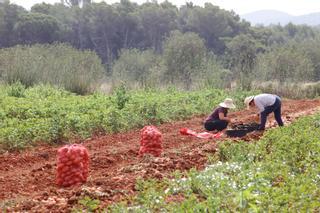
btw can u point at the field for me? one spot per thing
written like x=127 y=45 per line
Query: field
x=46 y=114
x=27 y=178
x=92 y=76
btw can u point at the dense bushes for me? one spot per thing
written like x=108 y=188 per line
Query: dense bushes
x=289 y=90
x=137 y=67
x=285 y=64
x=185 y=63
x=62 y=65
x=190 y=65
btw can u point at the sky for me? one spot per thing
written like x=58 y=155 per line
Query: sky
x=293 y=7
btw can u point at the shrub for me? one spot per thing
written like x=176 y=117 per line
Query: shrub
x=135 y=66
x=290 y=90
x=285 y=64
x=58 y=64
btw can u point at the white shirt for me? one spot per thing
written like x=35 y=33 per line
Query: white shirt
x=264 y=100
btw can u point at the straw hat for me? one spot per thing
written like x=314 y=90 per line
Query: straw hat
x=227 y=103
x=247 y=101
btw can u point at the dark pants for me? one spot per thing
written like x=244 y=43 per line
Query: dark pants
x=215 y=125
x=276 y=108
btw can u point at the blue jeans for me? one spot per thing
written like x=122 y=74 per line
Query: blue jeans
x=276 y=108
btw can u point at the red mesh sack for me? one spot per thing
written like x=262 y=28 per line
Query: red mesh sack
x=72 y=165
x=151 y=141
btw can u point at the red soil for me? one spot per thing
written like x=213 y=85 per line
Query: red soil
x=27 y=179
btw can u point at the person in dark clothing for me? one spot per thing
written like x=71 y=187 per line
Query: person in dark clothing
x=266 y=103
x=218 y=120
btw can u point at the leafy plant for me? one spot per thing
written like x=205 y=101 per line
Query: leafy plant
x=88 y=204
x=16 y=90
x=122 y=97
x=48 y=114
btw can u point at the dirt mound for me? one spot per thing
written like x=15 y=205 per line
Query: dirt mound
x=27 y=179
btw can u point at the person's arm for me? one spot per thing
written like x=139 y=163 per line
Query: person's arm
x=222 y=117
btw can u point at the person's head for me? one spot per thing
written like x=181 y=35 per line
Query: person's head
x=227 y=103
x=249 y=101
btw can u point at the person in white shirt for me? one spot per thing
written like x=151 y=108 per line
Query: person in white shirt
x=266 y=103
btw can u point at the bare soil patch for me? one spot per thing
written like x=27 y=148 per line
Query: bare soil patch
x=27 y=178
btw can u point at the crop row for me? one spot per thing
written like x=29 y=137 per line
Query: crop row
x=47 y=114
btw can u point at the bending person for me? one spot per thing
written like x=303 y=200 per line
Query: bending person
x=266 y=103
x=218 y=120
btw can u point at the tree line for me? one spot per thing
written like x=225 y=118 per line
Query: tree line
x=109 y=28
x=150 y=35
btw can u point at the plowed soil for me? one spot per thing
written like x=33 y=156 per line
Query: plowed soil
x=27 y=178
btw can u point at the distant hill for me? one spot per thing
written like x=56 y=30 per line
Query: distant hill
x=267 y=17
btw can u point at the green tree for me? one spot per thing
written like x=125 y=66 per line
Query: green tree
x=212 y=24
x=157 y=22
x=285 y=64
x=135 y=66
x=129 y=26
x=183 y=57
x=66 y=20
x=37 y=28
x=242 y=51
x=9 y=15
x=311 y=48
x=101 y=22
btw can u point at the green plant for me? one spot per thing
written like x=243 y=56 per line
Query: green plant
x=87 y=204
x=16 y=90
x=49 y=114
x=121 y=96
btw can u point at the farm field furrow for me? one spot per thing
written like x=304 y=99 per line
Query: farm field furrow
x=27 y=178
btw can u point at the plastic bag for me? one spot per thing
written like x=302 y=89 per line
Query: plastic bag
x=202 y=135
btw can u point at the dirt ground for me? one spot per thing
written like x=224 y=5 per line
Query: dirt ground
x=27 y=179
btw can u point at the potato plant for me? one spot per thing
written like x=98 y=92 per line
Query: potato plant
x=47 y=114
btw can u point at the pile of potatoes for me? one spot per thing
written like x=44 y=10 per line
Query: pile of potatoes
x=72 y=165
x=151 y=141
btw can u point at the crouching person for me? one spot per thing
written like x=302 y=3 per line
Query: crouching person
x=218 y=121
x=266 y=103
